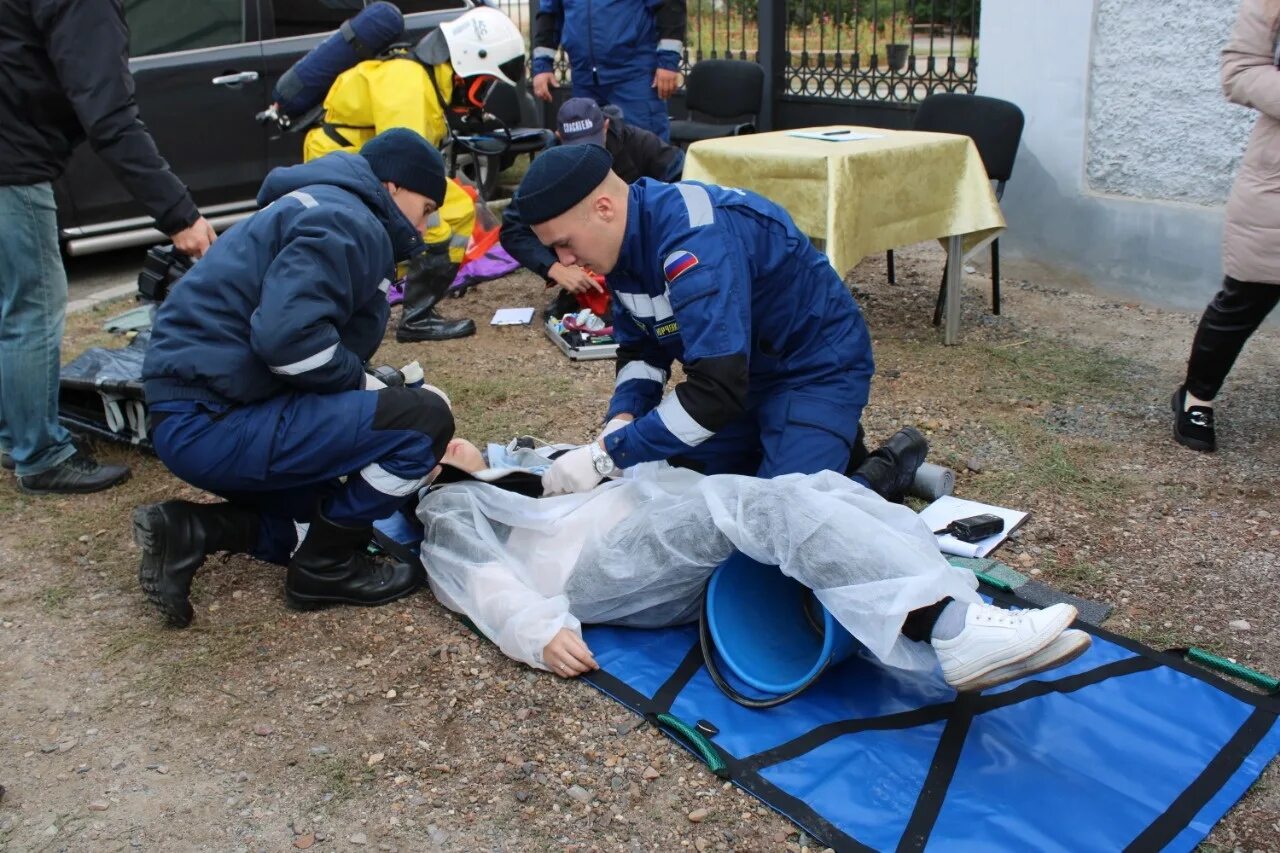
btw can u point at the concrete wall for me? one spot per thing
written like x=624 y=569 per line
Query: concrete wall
x=1129 y=147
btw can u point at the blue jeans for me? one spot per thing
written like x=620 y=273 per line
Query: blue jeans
x=33 y=304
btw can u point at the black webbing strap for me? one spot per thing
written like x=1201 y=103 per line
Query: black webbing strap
x=1215 y=774
x=941 y=771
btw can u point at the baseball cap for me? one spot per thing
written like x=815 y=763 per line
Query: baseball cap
x=581 y=120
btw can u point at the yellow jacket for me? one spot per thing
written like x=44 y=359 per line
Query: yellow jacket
x=379 y=94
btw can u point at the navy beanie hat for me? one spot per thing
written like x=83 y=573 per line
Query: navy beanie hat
x=559 y=179
x=408 y=160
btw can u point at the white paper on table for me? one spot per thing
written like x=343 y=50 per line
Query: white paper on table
x=949 y=508
x=512 y=317
x=834 y=135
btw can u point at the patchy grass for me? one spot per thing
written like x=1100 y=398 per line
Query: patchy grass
x=1049 y=371
x=54 y=598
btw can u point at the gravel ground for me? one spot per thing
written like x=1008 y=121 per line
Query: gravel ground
x=396 y=729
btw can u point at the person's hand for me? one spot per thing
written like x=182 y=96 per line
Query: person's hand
x=666 y=82
x=195 y=240
x=571 y=473
x=543 y=84
x=567 y=655
x=573 y=278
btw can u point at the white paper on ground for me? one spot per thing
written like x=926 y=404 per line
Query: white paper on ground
x=512 y=317
x=949 y=508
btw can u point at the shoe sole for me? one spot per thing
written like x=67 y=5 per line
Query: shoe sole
x=1063 y=649
x=318 y=602
x=101 y=488
x=1187 y=441
x=146 y=523
x=1069 y=614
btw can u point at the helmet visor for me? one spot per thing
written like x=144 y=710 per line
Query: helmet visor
x=513 y=69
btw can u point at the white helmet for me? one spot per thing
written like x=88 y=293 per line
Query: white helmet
x=485 y=41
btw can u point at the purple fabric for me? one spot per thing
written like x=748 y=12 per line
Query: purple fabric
x=494 y=263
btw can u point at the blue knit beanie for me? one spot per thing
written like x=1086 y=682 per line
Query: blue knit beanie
x=559 y=179
x=408 y=160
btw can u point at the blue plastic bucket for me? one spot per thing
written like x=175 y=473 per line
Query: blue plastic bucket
x=769 y=630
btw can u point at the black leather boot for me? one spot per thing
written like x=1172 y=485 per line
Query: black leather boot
x=175 y=537
x=892 y=466
x=429 y=277
x=333 y=566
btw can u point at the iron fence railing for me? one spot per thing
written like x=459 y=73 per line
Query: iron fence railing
x=878 y=51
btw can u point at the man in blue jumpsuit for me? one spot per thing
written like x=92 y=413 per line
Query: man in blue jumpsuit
x=776 y=355
x=621 y=52
x=258 y=393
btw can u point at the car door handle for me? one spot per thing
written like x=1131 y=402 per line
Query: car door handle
x=235 y=79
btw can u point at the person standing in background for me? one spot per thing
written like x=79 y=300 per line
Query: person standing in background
x=64 y=77
x=621 y=52
x=1251 y=237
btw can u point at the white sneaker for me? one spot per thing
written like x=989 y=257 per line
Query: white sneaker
x=1064 y=648
x=995 y=638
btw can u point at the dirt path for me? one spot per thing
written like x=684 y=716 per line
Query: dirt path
x=394 y=728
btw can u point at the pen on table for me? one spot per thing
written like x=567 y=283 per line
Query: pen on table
x=835 y=132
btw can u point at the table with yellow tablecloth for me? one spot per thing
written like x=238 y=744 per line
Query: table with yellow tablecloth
x=865 y=195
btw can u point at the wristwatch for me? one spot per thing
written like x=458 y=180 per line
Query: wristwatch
x=602 y=460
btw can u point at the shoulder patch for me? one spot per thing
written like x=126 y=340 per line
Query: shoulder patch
x=678 y=263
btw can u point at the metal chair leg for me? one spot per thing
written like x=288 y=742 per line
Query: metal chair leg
x=942 y=297
x=995 y=277
x=888 y=259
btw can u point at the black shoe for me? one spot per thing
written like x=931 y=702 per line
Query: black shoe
x=892 y=466
x=333 y=566
x=175 y=537
x=1193 y=427
x=429 y=277
x=79 y=474
x=428 y=325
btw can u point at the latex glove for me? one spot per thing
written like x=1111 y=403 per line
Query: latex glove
x=567 y=655
x=373 y=383
x=573 y=472
x=614 y=425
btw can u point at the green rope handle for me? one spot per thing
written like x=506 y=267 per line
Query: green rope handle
x=698 y=741
x=1244 y=673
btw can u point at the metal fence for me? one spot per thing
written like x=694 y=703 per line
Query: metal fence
x=888 y=52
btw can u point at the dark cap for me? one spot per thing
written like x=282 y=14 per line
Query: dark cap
x=408 y=160
x=559 y=179
x=581 y=120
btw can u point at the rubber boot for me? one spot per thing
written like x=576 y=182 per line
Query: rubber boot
x=890 y=468
x=333 y=566
x=175 y=537
x=426 y=284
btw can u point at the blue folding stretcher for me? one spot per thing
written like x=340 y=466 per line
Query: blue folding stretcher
x=1123 y=749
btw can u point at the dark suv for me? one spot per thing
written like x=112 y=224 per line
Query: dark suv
x=204 y=68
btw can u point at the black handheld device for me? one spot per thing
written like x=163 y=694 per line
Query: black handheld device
x=974 y=528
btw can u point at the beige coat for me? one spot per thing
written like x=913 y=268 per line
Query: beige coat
x=1251 y=238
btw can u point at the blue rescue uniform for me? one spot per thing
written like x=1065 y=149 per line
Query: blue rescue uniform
x=614 y=48
x=255 y=372
x=776 y=354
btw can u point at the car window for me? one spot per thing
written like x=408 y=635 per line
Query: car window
x=165 y=26
x=304 y=17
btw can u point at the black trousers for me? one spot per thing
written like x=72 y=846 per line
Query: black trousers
x=1233 y=315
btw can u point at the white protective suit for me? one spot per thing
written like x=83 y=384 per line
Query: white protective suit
x=638 y=551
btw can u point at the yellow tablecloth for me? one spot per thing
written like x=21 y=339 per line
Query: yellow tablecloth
x=862 y=196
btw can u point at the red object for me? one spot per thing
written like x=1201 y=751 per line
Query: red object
x=596 y=300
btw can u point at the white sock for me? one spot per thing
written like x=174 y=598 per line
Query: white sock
x=1189 y=400
x=951 y=621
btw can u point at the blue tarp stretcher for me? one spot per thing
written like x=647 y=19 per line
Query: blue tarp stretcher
x=1125 y=748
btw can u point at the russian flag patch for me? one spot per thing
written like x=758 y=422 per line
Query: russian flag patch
x=678 y=263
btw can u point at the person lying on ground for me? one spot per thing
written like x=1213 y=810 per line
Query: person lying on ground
x=638 y=551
